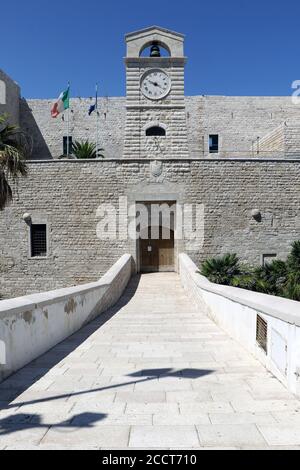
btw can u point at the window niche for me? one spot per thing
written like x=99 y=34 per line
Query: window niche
x=155 y=131
x=213 y=143
x=38 y=241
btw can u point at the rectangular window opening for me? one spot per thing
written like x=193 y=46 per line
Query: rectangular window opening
x=213 y=143
x=268 y=257
x=38 y=238
x=66 y=150
x=262 y=333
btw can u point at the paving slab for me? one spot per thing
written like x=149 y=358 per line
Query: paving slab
x=230 y=435
x=163 y=436
x=281 y=434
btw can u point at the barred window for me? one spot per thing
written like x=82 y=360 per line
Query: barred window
x=38 y=240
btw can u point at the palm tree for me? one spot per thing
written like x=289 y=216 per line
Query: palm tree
x=293 y=260
x=221 y=270
x=15 y=147
x=86 y=149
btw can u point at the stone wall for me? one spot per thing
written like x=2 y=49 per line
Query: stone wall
x=237 y=120
x=292 y=140
x=9 y=98
x=48 y=132
x=283 y=141
x=66 y=195
x=274 y=141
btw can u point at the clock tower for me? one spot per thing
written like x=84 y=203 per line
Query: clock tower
x=155 y=105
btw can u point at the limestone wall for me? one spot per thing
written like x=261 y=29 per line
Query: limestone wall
x=236 y=310
x=292 y=140
x=274 y=141
x=237 y=120
x=66 y=195
x=48 y=132
x=283 y=141
x=31 y=325
x=9 y=98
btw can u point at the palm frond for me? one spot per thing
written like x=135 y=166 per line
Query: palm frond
x=15 y=147
x=86 y=149
x=5 y=191
x=221 y=269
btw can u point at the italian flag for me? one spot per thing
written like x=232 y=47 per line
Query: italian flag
x=62 y=103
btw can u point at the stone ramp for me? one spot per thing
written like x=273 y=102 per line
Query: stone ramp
x=152 y=372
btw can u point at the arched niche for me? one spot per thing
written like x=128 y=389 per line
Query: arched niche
x=2 y=92
x=155 y=129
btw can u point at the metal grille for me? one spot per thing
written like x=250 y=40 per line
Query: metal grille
x=261 y=333
x=38 y=240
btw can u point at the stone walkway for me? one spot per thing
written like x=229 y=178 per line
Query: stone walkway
x=151 y=373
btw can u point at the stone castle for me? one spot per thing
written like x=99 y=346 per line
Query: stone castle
x=236 y=156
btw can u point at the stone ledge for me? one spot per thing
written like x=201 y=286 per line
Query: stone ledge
x=277 y=307
x=185 y=160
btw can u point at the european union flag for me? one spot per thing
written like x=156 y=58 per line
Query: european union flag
x=92 y=109
x=94 y=106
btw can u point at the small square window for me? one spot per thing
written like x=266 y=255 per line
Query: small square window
x=268 y=257
x=38 y=239
x=66 y=150
x=213 y=143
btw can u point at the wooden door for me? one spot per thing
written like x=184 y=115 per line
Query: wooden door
x=157 y=254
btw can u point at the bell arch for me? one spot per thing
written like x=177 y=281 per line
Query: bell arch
x=159 y=43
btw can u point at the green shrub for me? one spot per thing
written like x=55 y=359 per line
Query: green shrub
x=291 y=289
x=276 y=278
x=85 y=149
x=221 y=269
x=293 y=260
x=272 y=277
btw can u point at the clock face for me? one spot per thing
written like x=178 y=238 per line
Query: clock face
x=155 y=84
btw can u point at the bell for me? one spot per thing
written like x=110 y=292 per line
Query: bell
x=155 y=51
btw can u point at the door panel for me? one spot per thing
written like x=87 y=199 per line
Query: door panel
x=157 y=255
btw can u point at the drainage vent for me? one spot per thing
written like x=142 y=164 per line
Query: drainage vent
x=261 y=333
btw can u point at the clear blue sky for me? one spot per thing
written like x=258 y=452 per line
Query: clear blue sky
x=233 y=47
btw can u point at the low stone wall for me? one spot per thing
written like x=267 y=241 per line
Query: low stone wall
x=33 y=324
x=235 y=311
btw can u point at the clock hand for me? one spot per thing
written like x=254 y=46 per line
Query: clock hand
x=155 y=84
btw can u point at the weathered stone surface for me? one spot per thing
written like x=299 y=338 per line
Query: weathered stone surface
x=78 y=411
x=229 y=191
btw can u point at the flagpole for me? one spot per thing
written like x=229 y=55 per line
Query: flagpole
x=97 y=121
x=68 y=119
